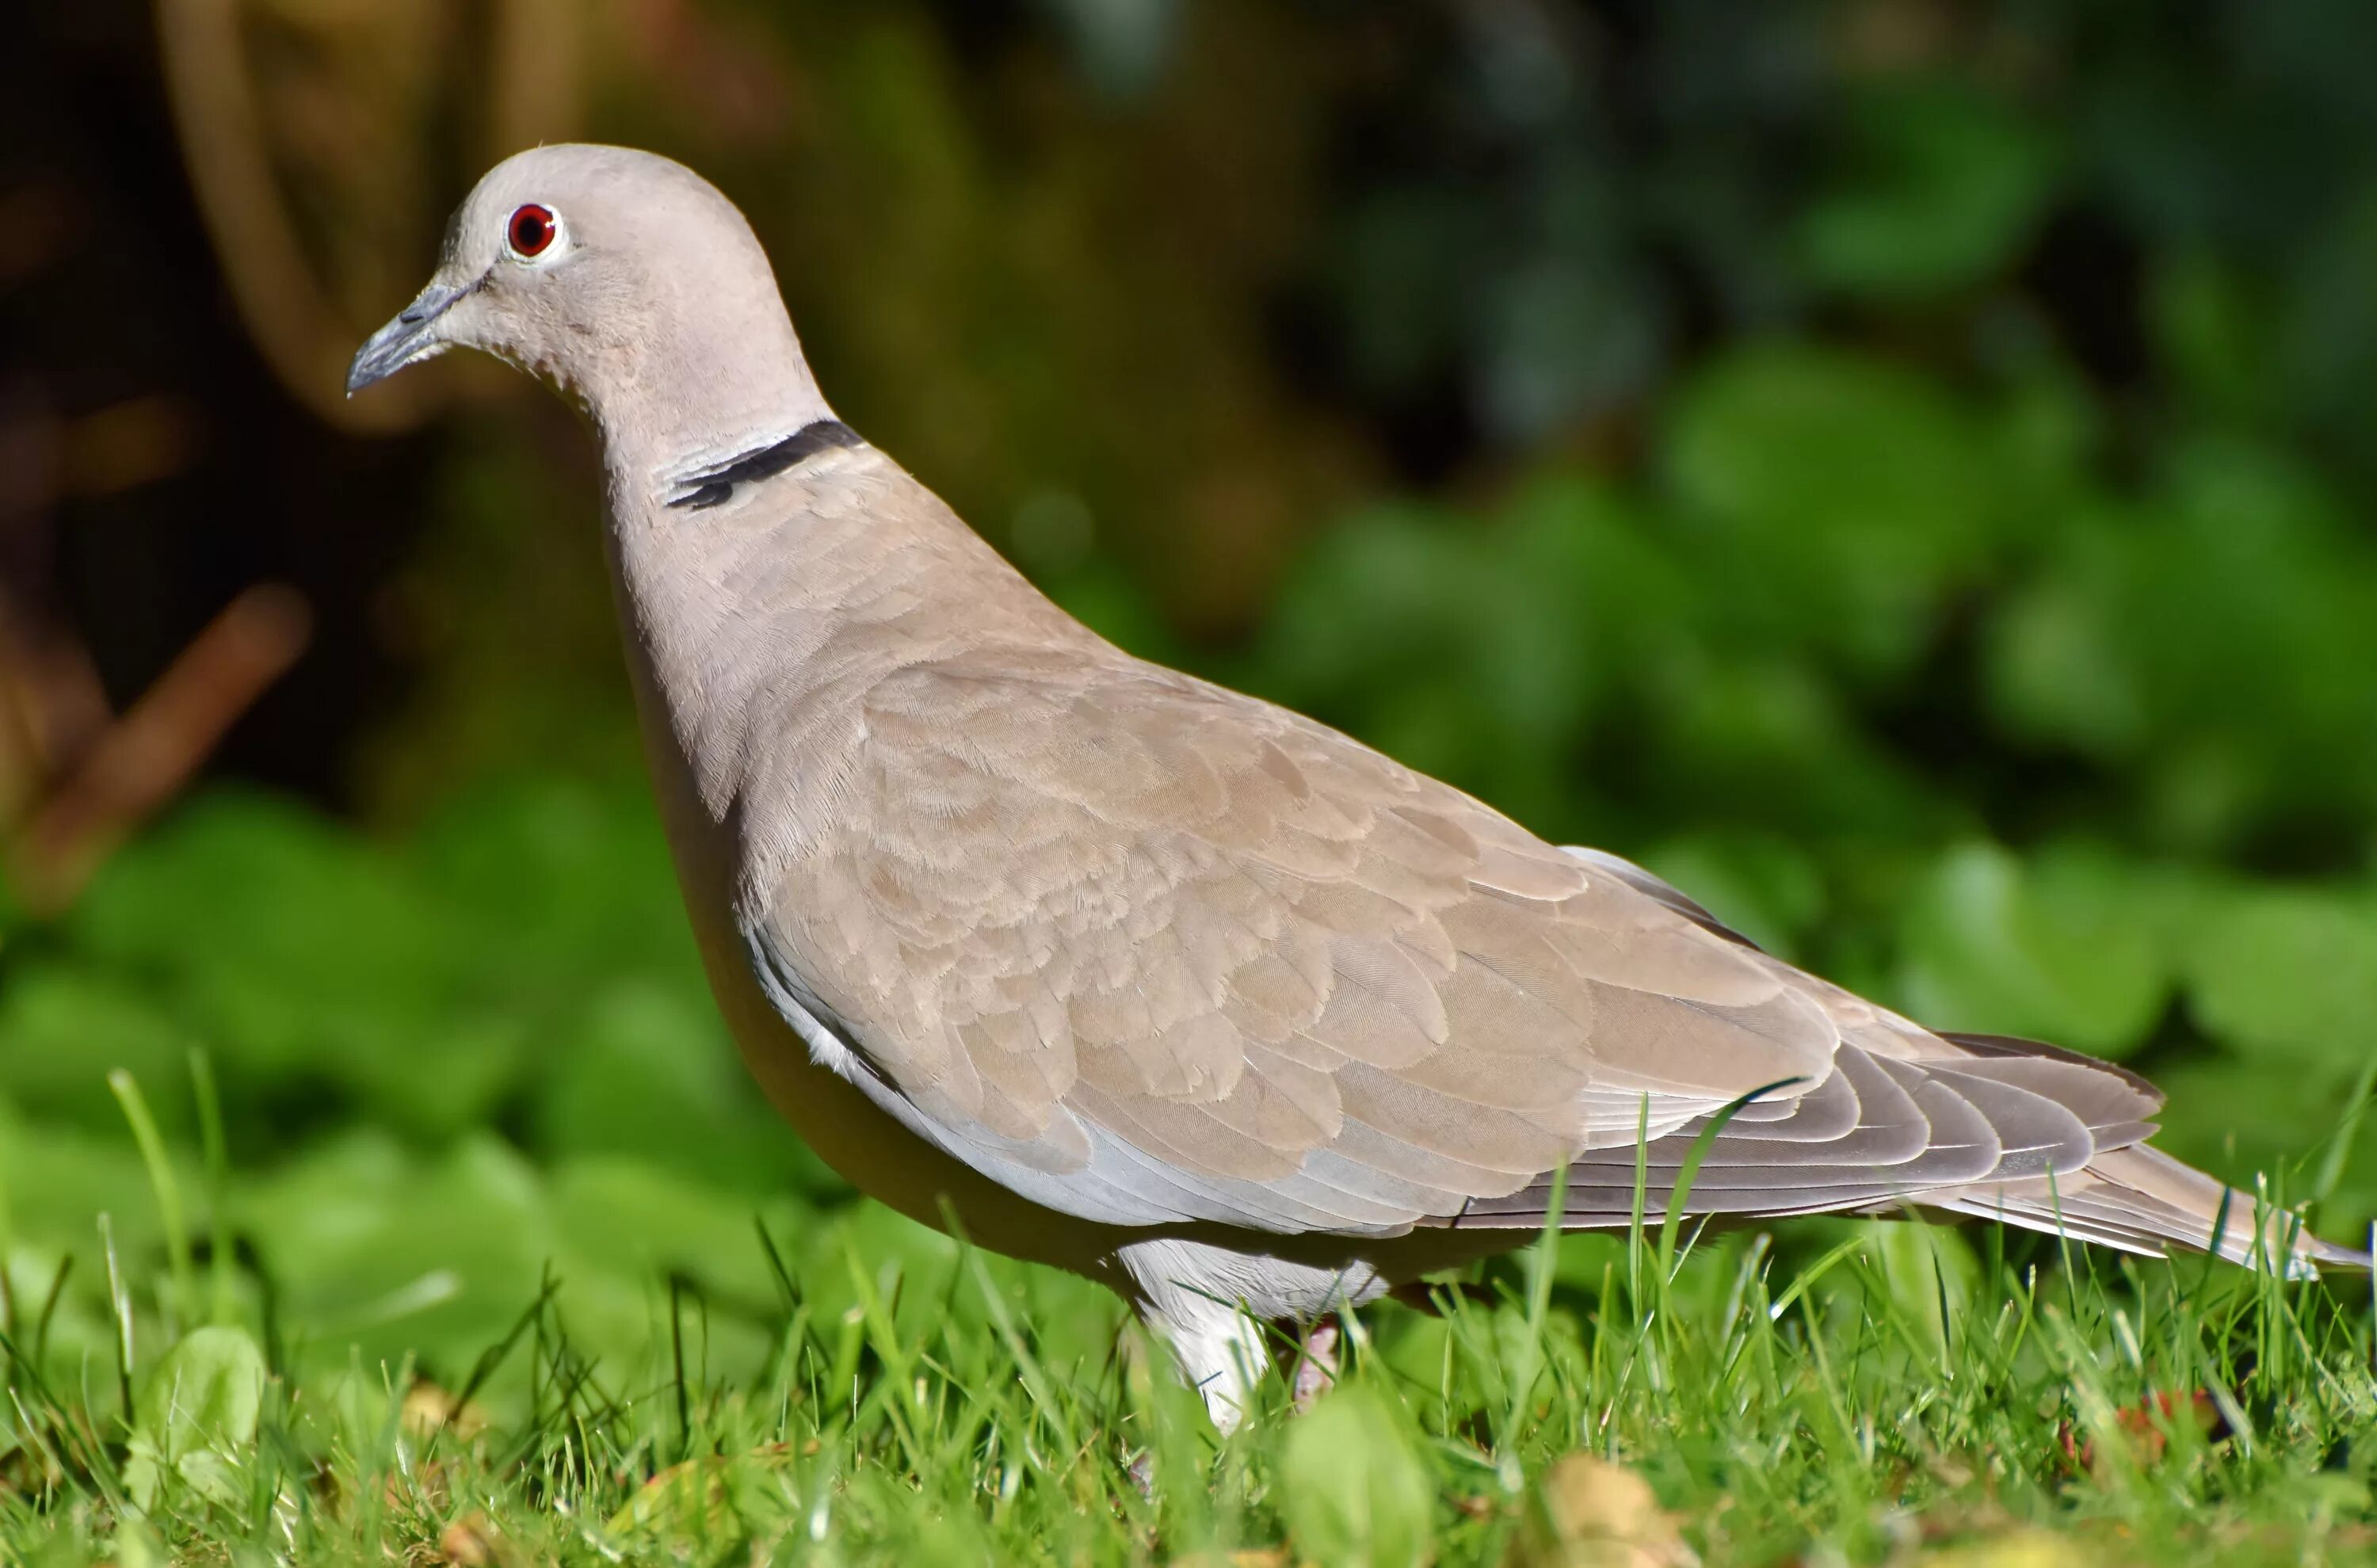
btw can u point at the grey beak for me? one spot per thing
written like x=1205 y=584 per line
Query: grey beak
x=404 y=339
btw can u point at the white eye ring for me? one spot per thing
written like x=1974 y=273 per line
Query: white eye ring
x=532 y=234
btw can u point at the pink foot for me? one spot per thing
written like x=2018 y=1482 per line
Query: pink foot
x=1316 y=1368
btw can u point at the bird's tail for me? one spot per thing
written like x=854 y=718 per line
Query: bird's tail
x=2141 y=1200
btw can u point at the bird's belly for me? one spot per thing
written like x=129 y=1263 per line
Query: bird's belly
x=864 y=1144
x=868 y=1147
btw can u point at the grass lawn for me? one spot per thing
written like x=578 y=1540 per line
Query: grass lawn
x=1843 y=1391
x=450 y=1249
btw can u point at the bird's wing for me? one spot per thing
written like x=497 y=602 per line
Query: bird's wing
x=1165 y=952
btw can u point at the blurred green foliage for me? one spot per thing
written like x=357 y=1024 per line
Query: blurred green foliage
x=1899 y=678
x=1902 y=471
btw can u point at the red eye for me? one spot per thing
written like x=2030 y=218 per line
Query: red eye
x=532 y=230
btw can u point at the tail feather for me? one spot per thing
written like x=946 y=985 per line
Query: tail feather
x=1993 y=1128
x=2141 y=1200
x=1985 y=1125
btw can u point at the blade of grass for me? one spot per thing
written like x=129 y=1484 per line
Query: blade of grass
x=492 y=1356
x=8 y=1323
x=881 y=1327
x=57 y=1420
x=49 y=1307
x=120 y=1303
x=1690 y=1171
x=1028 y=1369
x=169 y=1212
x=676 y=1357
x=1809 y=1275
x=776 y=1269
x=1679 y=1199
x=1542 y=1264
x=1634 y=1212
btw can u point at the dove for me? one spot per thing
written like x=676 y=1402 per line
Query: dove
x=1141 y=977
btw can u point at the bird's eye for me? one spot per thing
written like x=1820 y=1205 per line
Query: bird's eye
x=532 y=230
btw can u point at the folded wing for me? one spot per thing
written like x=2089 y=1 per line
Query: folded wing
x=1150 y=950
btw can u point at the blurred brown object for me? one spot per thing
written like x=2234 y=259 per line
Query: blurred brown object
x=306 y=127
x=34 y=231
x=471 y=1541
x=2146 y=1427
x=74 y=777
x=1588 y=1512
x=142 y=759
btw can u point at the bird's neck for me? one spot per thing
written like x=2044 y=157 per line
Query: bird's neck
x=656 y=436
x=757 y=625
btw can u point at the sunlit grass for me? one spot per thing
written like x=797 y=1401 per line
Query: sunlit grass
x=1867 y=1392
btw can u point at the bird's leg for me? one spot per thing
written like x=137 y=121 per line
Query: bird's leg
x=1315 y=1362
x=1220 y=1348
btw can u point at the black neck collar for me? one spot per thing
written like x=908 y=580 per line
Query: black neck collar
x=714 y=487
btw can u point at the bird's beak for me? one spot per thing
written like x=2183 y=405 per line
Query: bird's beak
x=409 y=337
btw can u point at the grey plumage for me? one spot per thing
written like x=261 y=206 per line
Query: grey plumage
x=1150 y=979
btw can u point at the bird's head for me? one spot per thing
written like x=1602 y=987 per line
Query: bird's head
x=625 y=280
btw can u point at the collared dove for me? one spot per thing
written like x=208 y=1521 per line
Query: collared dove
x=1139 y=977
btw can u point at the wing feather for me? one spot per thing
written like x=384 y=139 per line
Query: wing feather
x=1222 y=963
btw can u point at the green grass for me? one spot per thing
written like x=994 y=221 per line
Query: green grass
x=1860 y=1392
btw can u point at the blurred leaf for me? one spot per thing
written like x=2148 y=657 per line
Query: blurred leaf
x=1418 y=631
x=2057 y=668
x=305 y=952
x=1944 y=187
x=2237 y=1117
x=1352 y=1490
x=1769 y=742
x=55 y=1179
x=2058 y=949
x=628 y=1218
x=1840 y=498
x=560 y=883
x=2215 y=335
x=378 y=1249
x=2288 y=975
x=67 y=1025
x=649 y=1072
x=197 y=1417
x=2209 y=643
